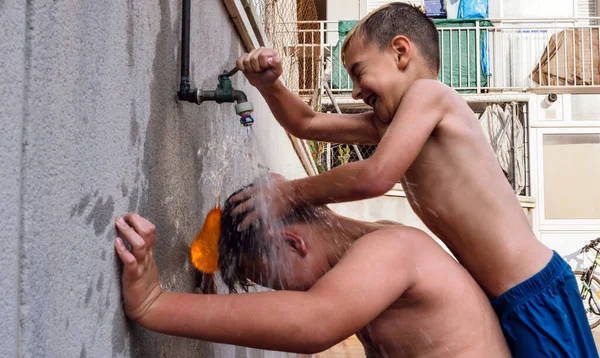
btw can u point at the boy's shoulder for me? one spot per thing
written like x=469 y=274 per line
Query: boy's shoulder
x=403 y=241
x=431 y=94
x=427 y=87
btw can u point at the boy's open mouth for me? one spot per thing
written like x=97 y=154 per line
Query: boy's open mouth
x=371 y=100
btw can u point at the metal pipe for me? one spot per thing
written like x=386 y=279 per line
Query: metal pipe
x=243 y=108
x=185 y=92
x=478 y=52
x=185 y=45
x=526 y=149
x=514 y=147
x=206 y=96
x=236 y=96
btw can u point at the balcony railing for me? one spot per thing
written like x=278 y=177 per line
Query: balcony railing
x=476 y=56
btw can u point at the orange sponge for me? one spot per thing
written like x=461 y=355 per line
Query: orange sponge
x=204 y=251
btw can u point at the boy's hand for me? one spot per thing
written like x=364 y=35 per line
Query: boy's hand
x=141 y=285
x=268 y=201
x=261 y=66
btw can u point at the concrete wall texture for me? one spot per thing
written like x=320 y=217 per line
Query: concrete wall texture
x=91 y=130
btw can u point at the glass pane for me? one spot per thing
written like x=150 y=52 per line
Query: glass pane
x=585 y=107
x=572 y=176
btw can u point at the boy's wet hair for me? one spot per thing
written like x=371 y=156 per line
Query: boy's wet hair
x=394 y=19
x=239 y=248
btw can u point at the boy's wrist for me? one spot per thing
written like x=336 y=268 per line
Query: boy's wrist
x=269 y=89
x=295 y=194
x=145 y=317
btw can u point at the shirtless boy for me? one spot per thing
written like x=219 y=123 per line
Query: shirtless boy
x=430 y=141
x=390 y=284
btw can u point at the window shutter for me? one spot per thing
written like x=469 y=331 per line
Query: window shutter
x=585 y=8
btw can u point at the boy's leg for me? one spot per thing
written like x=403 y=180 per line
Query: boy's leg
x=544 y=316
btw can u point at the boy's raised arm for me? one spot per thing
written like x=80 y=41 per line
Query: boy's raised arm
x=262 y=68
x=416 y=118
x=343 y=301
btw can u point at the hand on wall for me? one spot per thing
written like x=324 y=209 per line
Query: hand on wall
x=140 y=280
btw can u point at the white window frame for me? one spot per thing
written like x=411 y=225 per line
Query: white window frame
x=541 y=223
x=565 y=120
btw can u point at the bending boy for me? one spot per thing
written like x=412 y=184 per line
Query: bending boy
x=429 y=140
x=391 y=285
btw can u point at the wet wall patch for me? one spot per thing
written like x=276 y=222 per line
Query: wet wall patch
x=101 y=215
x=118 y=332
x=134 y=128
x=80 y=207
x=124 y=188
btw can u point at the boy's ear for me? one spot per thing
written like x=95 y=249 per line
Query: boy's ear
x=296 y=243
x=402 y=48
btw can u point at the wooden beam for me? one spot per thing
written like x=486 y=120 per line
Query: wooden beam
x=242 y=23
x=304 y=154
x=259 y=31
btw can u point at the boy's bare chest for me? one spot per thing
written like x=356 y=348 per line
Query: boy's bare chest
x=398 y=332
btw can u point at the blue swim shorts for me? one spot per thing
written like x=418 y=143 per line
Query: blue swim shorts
x=544 y=316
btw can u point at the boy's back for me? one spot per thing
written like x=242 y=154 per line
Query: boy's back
x=458 y=190
x=444 y=313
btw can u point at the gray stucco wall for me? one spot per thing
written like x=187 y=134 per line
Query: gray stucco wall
x=91 y=129
x=12 y=81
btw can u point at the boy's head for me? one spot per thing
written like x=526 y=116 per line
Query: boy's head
x=388 y=50
x=281 y=256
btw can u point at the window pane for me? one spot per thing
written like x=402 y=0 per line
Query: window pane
x=572 y=176
x=585 y=107
x=532 y=9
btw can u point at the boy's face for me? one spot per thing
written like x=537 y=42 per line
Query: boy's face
x=378 y=79
x=294 y=264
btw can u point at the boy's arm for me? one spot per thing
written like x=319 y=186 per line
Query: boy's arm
x=301 y=121
x=417 y=116
x=262 y=68
x=369 y=278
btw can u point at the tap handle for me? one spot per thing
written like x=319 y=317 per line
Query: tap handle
x=232 y=72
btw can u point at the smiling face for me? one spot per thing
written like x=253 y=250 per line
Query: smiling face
x=379 y=74
x=386 y=51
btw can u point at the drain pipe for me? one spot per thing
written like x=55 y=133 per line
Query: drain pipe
x=223 y=93
x=185 y=93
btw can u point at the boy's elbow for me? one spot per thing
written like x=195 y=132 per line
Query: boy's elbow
x=301 y=129
x=299 y=132
x=317 y=340
x=316 y=334
x=314 y=349
x=371 y=184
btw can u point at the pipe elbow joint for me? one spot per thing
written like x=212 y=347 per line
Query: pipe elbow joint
x=239 y=96
x=188 y=95
x=242 y=107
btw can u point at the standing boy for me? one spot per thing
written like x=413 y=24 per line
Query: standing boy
x=428 y=139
